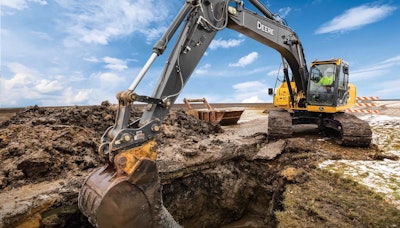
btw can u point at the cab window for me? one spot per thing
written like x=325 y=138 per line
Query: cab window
x=343 y=78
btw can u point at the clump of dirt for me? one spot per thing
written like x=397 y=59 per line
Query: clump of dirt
x=180 y=126
x=41 y=144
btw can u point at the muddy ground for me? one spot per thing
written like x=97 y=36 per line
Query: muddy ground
x=212 y=176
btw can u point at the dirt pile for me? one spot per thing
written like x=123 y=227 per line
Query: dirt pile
x=46 y=153
x=41 y=144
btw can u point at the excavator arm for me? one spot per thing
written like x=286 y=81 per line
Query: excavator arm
x=203 y=20
x=127 y=192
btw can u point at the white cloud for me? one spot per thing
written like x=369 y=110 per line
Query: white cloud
x=231 y=72
x=27 y=86
x=245 y=60
x=20 y=86
x=22 y=75
x=246 y=86
x=98 y=22
x=14 y=4
x=41 y=2
x=392 y=61
x=378 y=79
x=20 y=4
x=283 y=12
x=220 y=43
x=153 y=33
x=389 y=88
x=375 y=71
x=274 y=73
x=356 y=17
x=91 y=59
x=115 y=64
x=47 y=86
x=96 y=36
x=253 y=99
x=250 y=92
x=203 y=69
x=42 y=35
x=76 y=96
x=109 y=78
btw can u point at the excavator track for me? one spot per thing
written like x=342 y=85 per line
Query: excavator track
x=352 y=130
x=279 y=124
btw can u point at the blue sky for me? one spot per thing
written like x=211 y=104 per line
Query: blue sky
x=71 y=52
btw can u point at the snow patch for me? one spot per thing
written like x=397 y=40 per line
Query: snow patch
x=380 y=176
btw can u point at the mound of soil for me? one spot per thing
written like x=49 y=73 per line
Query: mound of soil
x=42 y=144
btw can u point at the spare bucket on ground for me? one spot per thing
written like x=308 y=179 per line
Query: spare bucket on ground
x=226 y=116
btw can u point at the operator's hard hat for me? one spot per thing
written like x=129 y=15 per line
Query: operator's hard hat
x=329 y=70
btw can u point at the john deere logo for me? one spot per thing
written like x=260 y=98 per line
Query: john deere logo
x=265 y=28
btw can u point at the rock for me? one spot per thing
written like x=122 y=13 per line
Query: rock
x=271 y=150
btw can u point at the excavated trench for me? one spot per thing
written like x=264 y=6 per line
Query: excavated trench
x=211 y=177
x=245 y=195
x=232 y=193
x=236 y=192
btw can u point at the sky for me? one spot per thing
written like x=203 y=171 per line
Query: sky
x=72 y=52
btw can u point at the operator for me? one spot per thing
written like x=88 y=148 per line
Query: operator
x=327 y=79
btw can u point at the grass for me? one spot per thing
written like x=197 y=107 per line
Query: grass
x=328 y=200
x=387 y=138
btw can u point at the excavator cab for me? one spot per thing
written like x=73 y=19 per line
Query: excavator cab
x=328 y=84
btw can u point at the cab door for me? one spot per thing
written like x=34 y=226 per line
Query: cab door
x=343 y=85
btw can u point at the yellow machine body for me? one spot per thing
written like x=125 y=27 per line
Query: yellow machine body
x=282 y=97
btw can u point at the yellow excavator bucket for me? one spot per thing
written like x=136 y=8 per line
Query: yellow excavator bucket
x=127 y=195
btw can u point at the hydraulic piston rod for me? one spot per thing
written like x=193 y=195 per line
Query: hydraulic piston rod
x=143 y=72
x=160 y=46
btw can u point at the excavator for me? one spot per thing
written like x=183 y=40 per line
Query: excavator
x=320 y=102
x=126 y=192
